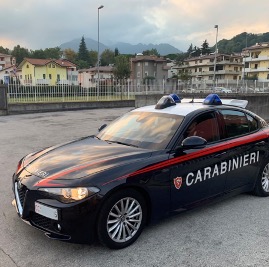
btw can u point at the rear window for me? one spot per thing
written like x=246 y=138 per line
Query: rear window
x=237 y=123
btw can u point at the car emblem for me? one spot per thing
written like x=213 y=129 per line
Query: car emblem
x=178 y=182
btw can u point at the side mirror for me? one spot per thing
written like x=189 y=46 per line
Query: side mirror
x=102 y=127
x=193 y=142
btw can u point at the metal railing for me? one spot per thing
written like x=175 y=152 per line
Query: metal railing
x=124 y=90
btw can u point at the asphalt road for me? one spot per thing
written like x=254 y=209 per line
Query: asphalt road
x=233 y=232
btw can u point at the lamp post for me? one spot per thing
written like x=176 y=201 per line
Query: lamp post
x=98 y=58
x=215 y=60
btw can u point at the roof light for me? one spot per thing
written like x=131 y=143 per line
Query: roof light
x=176 y=98
x=165 y=101
x=212 y=99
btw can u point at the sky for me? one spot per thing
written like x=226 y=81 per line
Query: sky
x=40 y=24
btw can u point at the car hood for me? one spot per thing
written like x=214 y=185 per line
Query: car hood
x=79 y=159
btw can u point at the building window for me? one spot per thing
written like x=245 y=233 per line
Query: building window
x=53 y=66
x=27 y=66
x=234 y=77
x=267 y=76
x=146 y=63
x=138 y=64
x=200 y=69
x=201 y=61
x=58 y=77
x=256 y=66
x=44 y=76
x=146 y=73
x=138 y=74
x=50 y=76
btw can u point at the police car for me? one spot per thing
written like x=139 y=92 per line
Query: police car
x=151 y=162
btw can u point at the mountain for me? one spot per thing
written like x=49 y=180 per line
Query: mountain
x=240 y=41
x=124 y=48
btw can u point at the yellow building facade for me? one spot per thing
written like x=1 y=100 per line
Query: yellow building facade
x=46 y=71
x=257 y=62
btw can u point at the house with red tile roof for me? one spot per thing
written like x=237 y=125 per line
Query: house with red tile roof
x=48 y=72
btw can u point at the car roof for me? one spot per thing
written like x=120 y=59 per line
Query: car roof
x=181 y=109
x=189 y=105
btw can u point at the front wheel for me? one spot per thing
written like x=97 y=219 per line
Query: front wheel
x=122 y=219
x=262 y=184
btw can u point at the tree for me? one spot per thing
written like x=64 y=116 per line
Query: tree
x=53 y=53
x=190 y=49
x=20 y=53
x=122 y=68
x=93 y=58
x=180 y=58
x=4 y=50
x=116 y=53
x=152 y=52
x=205 y=48
x=70 y=54
x=107 y=57
x=83 y=53
x=38 y=54
x=196 y=52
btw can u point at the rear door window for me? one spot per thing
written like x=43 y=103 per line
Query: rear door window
x=236 y=123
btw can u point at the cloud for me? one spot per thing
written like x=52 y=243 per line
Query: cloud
x=40 y=24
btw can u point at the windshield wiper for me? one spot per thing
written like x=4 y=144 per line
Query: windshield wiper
x=120 y=143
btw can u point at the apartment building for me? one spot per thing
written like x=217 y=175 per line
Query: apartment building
x=201 y=69
x=256 y=62
x=7 y=68
x=88 y=77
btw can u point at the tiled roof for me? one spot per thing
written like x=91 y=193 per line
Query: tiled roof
x=257 y=46
x=4 y=55
x=42 y=62
x=148 y=58
x=95 y=69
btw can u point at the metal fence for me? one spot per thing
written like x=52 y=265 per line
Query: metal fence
x=122 y=90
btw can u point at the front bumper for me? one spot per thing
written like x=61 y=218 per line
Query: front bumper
x=75 y=222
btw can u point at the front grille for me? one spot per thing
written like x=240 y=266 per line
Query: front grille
x=22 y=193
x=42 y=221
x=45 y=223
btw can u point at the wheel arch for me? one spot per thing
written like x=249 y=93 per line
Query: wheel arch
x=135 y=187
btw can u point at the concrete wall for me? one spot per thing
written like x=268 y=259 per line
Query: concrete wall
x=62 y=106
x=3 y=100
x=257 y=103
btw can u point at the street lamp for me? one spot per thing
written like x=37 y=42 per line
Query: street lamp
x=215 y=60
x=98 y=57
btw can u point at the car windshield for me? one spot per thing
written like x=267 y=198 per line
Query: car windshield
x=150 y=130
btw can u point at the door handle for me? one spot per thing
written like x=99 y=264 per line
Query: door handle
x=262 y=143
x=220 y=155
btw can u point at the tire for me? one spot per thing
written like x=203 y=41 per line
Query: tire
x=262 y=184
x=121 y=219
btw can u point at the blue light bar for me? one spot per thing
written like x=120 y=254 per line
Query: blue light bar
x=212 y=99
x=176 y=98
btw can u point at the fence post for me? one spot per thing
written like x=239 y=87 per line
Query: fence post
x=3 y=100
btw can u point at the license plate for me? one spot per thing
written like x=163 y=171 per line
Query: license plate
x=46 y=211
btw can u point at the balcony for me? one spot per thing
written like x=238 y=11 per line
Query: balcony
x=253 y=59
x=261 y=69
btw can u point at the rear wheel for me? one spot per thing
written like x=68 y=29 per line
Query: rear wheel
x=122 y=219
x=262 y=184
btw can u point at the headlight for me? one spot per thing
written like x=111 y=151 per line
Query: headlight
x=71 y=194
